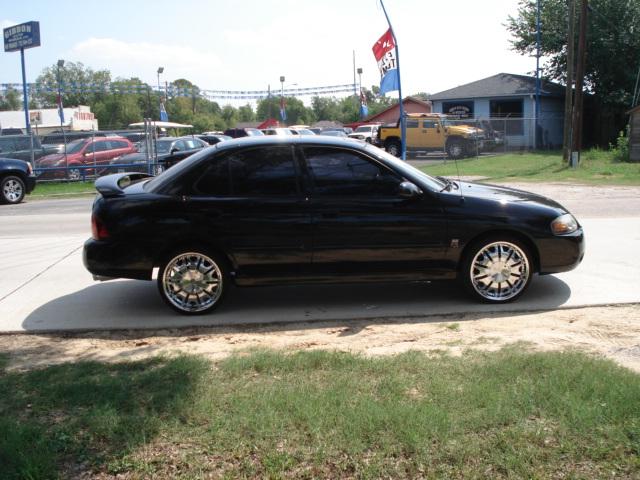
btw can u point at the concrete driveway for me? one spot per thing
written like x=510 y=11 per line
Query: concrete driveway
x=46 y=288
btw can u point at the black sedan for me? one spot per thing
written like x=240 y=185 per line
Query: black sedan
x=170 y=150
x=273 y=210
x=16 y=180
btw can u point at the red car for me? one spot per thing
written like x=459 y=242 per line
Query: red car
x=87 y=152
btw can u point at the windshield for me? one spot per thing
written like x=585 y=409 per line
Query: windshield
x=252 y=132
x=75 y=146
x=363 y=129
x=403 y=167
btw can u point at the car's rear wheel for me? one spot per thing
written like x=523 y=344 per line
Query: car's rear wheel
x=497 y=270
x=12 y=189
x=192 y=281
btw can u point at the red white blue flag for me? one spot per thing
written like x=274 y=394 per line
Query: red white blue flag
x=385 y=52
x=283 y=110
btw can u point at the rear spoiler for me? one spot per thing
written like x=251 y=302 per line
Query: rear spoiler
x=114 y=185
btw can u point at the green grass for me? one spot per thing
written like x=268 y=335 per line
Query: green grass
x=508 y=414
x=596 y=167
x=53 y=189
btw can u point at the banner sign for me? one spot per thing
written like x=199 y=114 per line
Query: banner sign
x=385 y=52
x=25 y=35
x=76 y=88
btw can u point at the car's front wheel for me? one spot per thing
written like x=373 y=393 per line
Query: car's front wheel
x=394 y=148
x=192 y=281
x=12 y=189
x=497 y=270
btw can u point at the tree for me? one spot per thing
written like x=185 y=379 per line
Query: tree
x=613 y=51
x=246 y=113
x=82 y=85
x=11 y=100
x=297 y=113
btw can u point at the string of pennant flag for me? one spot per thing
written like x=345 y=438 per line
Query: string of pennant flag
x=173 y=91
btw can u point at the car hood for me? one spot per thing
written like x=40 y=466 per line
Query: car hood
x=505 y=195
x=51 y=159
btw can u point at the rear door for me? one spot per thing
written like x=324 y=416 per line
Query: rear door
x=251 y=202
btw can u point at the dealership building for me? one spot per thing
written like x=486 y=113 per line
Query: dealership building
x=47 y=120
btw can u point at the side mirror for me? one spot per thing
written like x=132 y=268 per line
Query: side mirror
x=409 y=190
x=174 y=150
x=87 y=154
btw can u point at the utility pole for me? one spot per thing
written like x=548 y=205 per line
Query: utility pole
x=568 y=96
x=578 y=106
x=537 y=141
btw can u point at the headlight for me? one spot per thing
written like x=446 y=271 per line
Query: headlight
x=564 y=224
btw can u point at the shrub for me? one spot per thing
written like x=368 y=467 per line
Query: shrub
x=620 y=150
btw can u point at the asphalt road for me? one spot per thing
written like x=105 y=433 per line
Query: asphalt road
x=44 y=286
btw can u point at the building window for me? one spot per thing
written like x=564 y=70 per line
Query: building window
x=506 y=115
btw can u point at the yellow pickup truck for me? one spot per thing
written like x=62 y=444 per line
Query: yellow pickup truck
x=432 y=132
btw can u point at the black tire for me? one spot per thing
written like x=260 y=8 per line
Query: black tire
x=193 y=281
x=497 y=269
x=394 y=148
x=12 y=189
x=75 y=174
x=456 y=148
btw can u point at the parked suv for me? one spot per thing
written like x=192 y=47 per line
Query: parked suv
x=82 y=154
x=433 y=132
x=16 y=180
x=19 y=146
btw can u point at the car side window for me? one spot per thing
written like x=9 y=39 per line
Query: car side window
x=6 y=145
x=429 y=124
x=215 y=180
x=118 y=144
x=24 y=143
x=344 y=173
x=263 y=171
x=412 y=123
x=180 y=145
x=102 y=146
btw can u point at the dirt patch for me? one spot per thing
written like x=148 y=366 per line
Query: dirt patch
x=612 y=332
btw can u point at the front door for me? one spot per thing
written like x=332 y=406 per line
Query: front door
x=362 y=227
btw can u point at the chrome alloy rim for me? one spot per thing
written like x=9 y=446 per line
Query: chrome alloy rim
x=456 y=150
x=499 y=271
x=192 y=282
x=12 y=190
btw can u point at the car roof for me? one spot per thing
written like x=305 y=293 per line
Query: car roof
x=274 y=140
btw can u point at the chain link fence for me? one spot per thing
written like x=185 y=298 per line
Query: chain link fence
x=475 y=137
x=83 y=155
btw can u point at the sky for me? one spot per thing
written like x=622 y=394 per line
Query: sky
x=248 y=45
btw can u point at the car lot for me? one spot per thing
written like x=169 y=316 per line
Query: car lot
x=45 y=286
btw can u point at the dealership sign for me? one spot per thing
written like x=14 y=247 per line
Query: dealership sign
x=25 y=35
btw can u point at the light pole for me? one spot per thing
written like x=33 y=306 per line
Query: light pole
x=61 y=115
x=283 y=115
x=360 y=110
x=160 y=70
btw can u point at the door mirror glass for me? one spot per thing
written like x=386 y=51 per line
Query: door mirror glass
x=409 y=190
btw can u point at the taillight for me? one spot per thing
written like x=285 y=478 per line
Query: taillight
x=98 y=229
